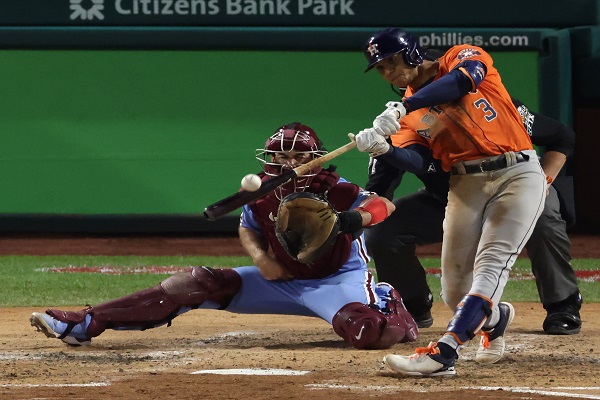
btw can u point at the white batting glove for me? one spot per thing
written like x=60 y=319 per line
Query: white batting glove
x=369 y=141
x=397 y=106
x=386 y=124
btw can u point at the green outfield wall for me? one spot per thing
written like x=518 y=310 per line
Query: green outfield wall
x=169 y=132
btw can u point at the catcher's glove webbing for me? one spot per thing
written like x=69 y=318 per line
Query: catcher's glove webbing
x=307 y=225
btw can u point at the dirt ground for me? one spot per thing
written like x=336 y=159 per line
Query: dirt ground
x=276 y=357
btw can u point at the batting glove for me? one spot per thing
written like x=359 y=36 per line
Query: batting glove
x=399 y=107
x=387 y=123
x=369 y=141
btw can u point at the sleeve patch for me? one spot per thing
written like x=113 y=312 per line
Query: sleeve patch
x=468 y=53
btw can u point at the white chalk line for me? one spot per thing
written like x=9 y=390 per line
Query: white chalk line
x=541 y=391
x=32 y=385
x=250 y=371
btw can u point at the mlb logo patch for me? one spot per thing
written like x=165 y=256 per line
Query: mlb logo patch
x=467 y=53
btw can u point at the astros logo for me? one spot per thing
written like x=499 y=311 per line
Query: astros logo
x=467 y=53
x=373 y=49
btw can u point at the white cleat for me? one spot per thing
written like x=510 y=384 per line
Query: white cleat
x=426 y=362
x=492 y=344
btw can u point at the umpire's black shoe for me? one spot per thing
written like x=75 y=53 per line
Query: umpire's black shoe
x=563 y=322
x=563 y=317
x=424 y=320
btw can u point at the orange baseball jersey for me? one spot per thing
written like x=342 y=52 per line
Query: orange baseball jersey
x=480 y=124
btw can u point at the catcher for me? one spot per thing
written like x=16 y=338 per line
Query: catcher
x=316 y=266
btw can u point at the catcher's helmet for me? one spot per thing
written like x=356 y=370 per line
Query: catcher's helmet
x=291 y=137
x=390 y=41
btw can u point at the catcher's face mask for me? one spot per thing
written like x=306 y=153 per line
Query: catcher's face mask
x=289 y=147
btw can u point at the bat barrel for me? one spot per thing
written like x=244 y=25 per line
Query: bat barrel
x=236 y=200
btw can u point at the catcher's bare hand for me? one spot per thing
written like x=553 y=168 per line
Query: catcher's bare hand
x=271 y=269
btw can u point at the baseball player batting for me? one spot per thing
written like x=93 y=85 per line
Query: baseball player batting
x=458 y=107
x=419 y=216
x=313 y=227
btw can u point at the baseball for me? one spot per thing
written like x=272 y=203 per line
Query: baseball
x=251 y=182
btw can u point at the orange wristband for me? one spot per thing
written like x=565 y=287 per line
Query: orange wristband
x=549 y=179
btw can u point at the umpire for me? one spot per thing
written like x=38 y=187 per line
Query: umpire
x=418 y=219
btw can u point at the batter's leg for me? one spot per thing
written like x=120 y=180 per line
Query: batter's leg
x=510 y=216
x=549 y=251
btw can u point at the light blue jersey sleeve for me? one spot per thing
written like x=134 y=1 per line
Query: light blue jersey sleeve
x=362 y=194
x=247 y=220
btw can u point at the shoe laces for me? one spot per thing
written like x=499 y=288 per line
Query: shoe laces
x=431 y=349
x=485 y=339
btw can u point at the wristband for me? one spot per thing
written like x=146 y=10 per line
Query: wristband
x=549 y=179
x=350 y=221
x=377 y=208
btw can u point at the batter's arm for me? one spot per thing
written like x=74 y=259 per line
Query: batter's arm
x=454 y=85
x=414 y=158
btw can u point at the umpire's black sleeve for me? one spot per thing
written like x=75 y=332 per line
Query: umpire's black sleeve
x=552 y=134
x=545 y=131
x=383 y=178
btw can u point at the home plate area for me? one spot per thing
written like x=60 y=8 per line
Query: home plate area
x=213 y=354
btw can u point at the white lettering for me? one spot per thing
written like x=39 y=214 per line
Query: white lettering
x=345 y=7
x=250 y=8
x=320 y=7
x=120 y=8
x=258 y=7
x=182 y=7
x=282 y=7
x=145 y=6
x=167 y=7
x=302 y=5
x=263 y=6
x=325 y=7
x=213 y=7
x=234 y=7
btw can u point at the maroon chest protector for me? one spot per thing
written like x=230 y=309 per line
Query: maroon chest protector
x=341 y=196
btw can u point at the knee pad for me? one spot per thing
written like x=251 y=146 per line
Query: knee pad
x=159 y=304
x=469 y=316
x=199 y=284
x=366 y=328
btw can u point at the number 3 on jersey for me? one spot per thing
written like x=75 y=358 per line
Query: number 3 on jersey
x=487 y=109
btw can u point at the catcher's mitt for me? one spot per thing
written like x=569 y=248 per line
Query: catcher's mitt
x=307 y=225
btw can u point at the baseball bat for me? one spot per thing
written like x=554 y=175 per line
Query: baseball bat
x=236 y=200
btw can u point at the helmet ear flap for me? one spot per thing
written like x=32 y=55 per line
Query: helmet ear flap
x=414 y=57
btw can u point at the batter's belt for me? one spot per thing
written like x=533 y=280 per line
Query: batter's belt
x=494 y=163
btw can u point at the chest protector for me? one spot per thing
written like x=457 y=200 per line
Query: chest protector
x=265 y=214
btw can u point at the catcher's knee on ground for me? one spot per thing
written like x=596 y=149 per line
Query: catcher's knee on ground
x=159 y=304
x=366 y=328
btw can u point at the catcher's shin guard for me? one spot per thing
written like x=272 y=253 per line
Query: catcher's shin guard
x=158 y=305
x=469 y=316
x=366 y=328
